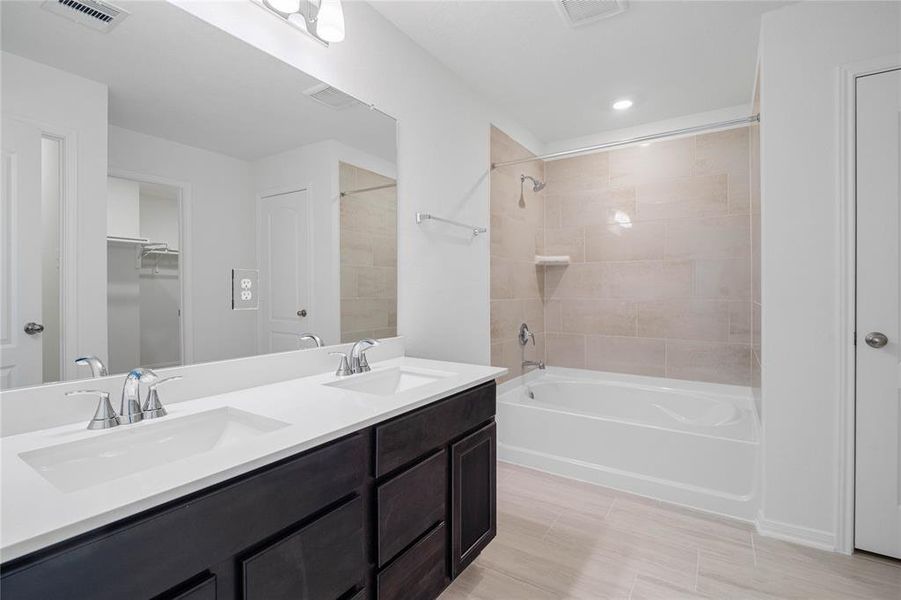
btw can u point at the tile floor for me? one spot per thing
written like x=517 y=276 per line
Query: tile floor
x=559 y=538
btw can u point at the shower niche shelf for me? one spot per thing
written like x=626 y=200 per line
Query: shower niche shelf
x=552 y=261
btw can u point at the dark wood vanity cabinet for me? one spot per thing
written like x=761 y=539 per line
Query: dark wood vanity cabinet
x=391 y=512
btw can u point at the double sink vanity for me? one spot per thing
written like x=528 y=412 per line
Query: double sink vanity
x=373 y=485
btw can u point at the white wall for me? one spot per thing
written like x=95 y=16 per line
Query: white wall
x=65 y=104
x=801 y=48
x=222 y=232
x=443 y=131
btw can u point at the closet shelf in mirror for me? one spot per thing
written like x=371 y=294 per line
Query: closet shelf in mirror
x=126 y=240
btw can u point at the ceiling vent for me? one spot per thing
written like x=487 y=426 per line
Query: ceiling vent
x=331 y=97
x=95 y=14
x=583 y=12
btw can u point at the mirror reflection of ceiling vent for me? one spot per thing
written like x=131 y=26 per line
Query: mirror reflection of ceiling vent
x=95 y=14
x=331 y=97
x=583 y=12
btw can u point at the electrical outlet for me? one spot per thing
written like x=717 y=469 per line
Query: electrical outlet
x=245 y=289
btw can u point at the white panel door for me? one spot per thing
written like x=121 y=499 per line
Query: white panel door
x=21 y=359
x=284 y=250
x=878 y=472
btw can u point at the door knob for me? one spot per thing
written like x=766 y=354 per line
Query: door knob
x=302 y=312
x=33 y=328
x=875 y=339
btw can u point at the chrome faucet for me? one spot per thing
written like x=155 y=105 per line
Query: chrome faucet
x=524 y=336
x=310 y=336
x=358 y=362
x=98 y=369
x=130 y=410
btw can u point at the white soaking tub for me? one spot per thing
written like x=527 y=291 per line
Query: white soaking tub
x=686 y=442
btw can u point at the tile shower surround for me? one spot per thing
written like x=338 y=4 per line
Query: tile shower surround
x=660 y=239
x=368 y=256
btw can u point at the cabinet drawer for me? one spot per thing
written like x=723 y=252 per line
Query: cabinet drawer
x=203 y=590
x=410 y=504
x=406 y=438
x=321 y=561
x=171 y=544
x=420 y=573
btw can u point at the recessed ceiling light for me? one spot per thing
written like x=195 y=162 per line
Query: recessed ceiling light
x=622 y=104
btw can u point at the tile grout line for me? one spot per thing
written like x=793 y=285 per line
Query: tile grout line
x=551 y=526
x=610 y=508
x=632 y=587
x=753 y=548
x=697 y=568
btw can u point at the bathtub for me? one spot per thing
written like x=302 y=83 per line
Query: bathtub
x=685 y=442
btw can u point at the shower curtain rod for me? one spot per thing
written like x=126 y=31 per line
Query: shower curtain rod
x=634 y=140
x=369 y=189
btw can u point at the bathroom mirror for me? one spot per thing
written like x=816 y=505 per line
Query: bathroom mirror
x=172 y=195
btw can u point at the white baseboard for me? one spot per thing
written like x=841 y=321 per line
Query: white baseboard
x=805 y=536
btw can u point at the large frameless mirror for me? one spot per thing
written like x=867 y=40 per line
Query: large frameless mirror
x=172 y=195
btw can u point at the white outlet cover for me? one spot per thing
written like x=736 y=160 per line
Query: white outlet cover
x=245 y=289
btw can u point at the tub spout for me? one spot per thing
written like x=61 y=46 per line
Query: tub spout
x=533 y=363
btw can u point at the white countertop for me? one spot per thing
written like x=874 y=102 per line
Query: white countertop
x=35 y=514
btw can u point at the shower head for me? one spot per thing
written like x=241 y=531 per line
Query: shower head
x=537 y=185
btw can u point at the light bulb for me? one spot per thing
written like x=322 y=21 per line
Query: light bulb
x=622 y=104
x=285 y=6
x=330 y=21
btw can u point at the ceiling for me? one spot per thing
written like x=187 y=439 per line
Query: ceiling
x=671 y=58
x=174 y=76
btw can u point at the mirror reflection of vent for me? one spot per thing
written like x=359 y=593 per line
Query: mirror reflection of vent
x=95 y=14
x=331 y=97
x=583 y=12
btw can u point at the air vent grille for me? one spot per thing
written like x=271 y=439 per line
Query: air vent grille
x=95 y=14
x=583 y=12
x=331 y=97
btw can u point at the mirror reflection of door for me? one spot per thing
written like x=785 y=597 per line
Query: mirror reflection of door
x=143 y=274
x=368 y=254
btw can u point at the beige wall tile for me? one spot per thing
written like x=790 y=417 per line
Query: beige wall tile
x=377 y=282
x=501 y=278
x=728 y=278
x=506 y=315
x=697 y=196
x=616 y=242
x=603 y=206
x=639 y=356
x=685 y=319
x=740 y=327
x=569 y=241
x=590 y=171
x=596 y=316
x=723 y=152
x=711 y=237
x=565 y=350
x=646 y=280
x=512 y=239
x=659 y=160
x=709 y=361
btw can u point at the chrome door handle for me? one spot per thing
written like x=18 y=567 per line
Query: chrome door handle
x=33 y=328
x=875 y=339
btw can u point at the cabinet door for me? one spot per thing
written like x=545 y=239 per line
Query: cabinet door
x=474 y=496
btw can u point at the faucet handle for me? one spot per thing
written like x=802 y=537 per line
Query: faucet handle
x=344 y=367
x=364 y=363
x=104 y=417
x=153 y=408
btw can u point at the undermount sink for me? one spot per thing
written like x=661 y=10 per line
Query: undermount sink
x=131 y=449
x=387 y=382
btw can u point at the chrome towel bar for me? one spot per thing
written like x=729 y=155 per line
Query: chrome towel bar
x=421 y=216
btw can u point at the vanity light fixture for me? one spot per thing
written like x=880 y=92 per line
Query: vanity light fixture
x=623 y=104
x=321 y=19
